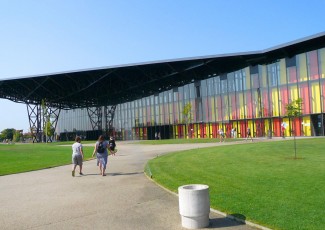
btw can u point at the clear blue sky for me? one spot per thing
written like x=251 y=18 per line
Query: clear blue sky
x=46 y=36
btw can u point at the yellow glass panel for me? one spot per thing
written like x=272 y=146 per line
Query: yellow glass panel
x=266 y=126
x=213 y=109
x=322 y=62
x=210 y=132
x=251 y=125
x=293 y=92
x=226 y=107
x=275 y=100
x=315 y=98
x=306 y=126
x=302 y=67
x=241 y=106
x=198 y=131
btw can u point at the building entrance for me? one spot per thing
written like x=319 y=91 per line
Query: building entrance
x=317 y=122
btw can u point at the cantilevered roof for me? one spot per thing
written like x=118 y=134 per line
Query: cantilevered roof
x=118 y=84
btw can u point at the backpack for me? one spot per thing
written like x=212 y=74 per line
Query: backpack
x=100 y=147
x=111 y=144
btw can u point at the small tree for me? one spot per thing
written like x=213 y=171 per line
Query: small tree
x=294 y=110
x=49 y=130
x=187 y=115
x=17 y=136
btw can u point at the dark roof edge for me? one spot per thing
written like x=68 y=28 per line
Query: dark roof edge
x=178 y=59
x=294 y=42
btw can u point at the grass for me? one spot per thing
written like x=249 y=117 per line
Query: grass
x=16 y=158
x=258 y=181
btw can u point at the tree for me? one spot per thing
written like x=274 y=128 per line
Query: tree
x=294 y=110
x=7 y=134
x=47 y=129
x=17 y=135
x=187 y=116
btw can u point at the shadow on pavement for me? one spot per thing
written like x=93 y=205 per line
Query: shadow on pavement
x=223 y=222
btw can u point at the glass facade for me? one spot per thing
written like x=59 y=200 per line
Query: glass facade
x=254 y=97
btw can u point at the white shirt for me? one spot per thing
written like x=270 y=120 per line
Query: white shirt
x=76 y=148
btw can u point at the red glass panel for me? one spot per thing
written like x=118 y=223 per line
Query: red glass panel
x=276 y=127
x=284 y=99
x=233 y=106
x=219 y=108
x=249 y=105
x=292 y=71
x=304 y=94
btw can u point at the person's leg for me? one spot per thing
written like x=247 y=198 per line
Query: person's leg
x=80 y=172
x=104 y=165
x=80 y=164
x=74 y=164
x=74 y=169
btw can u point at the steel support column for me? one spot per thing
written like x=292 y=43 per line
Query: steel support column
x=37 y=121
x=53 y=116
x=95 y=116
x=109 y=113
x=35 y=124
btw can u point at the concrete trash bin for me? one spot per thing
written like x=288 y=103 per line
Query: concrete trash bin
x=194 y=205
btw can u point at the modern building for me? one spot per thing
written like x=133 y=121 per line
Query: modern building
x=250 y=95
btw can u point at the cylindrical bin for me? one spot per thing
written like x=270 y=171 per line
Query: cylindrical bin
x=194 y=205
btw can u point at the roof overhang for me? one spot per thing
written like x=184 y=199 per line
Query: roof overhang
x=118 y=84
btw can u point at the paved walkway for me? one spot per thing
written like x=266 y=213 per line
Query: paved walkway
x=124 y=199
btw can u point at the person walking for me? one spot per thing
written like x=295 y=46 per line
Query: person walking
x=249 y=134
x=77 y=156
x=221 y=135
x=235 y=132
x=102 y=154
x=112 y=146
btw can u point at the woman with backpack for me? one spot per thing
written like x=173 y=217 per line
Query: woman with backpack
x=101 y=153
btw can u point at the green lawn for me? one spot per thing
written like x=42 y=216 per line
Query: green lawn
x=260 y=181
x=15 y=158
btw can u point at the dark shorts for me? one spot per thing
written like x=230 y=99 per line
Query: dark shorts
x=77 y=159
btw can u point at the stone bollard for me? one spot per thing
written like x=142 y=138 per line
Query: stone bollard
x=194 y=205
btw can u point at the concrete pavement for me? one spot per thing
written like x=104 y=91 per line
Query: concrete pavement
x=124 y=199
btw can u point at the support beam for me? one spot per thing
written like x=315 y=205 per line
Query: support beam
x=53 y=114
x=95 y=115
x=109 y=118
x=34 y=117
x=37 y=121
